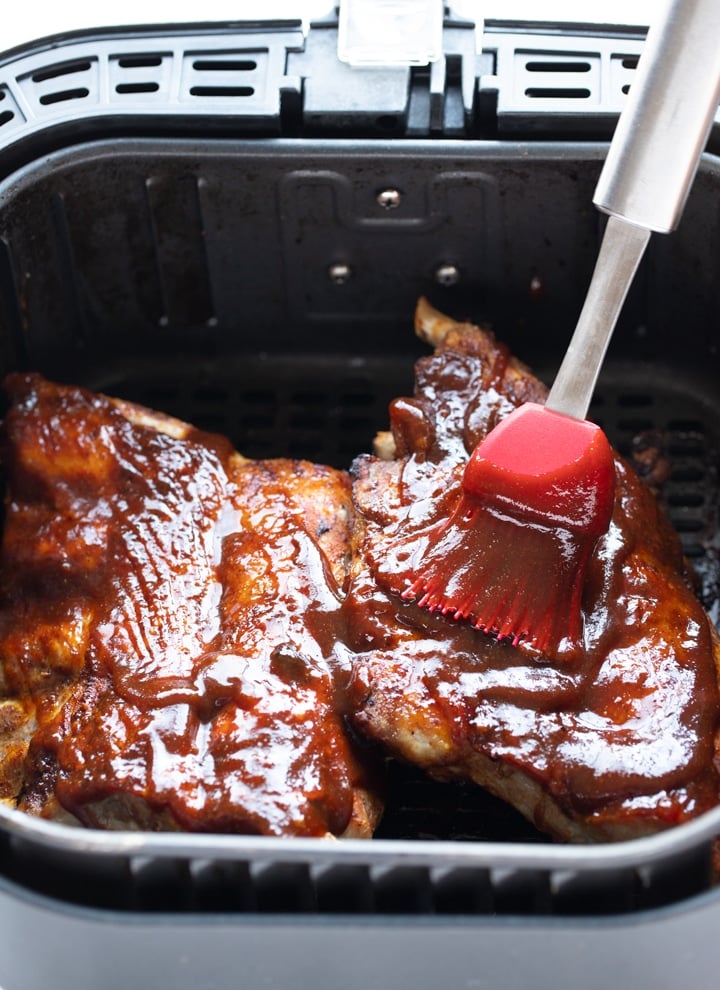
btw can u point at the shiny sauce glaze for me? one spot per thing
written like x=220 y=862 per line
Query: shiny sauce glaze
x=179 y=623
x=619 y=724
x=172 y=613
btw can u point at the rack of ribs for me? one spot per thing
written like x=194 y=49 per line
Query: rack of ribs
x=169 y=626
x=193 y=640
x=614 y=736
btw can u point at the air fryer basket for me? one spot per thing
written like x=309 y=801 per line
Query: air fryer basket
x=195 y=220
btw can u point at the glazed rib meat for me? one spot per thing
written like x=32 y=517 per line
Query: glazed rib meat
x=169 y=626
x=193 y=640
x=613 y=737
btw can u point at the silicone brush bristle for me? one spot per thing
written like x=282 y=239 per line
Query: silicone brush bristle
x=537 y=494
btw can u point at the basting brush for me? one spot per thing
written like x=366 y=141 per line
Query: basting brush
x=538 y=492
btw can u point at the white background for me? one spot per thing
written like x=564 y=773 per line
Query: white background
x=24 y=21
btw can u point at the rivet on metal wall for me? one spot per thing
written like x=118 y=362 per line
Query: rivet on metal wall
x=447 y=274
x=339 y=273
x=389 y=199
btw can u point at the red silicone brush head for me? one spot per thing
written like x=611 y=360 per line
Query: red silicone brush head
x=537 y=494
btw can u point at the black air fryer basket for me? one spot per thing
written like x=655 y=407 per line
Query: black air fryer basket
x=231 y=225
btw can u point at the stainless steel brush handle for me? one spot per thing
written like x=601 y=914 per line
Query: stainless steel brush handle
x=646 y=177
x=664 y=125
x=620 y=254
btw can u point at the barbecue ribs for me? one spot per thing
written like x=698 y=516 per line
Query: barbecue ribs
x=191 y=640
x=169 y=621
x=613 y=737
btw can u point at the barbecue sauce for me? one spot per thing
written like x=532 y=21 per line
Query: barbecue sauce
x=181 y=622
x=617 y=724
x=195 y=672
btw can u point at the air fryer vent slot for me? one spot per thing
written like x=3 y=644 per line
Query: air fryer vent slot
x=225 y=76
x=622 y=71
x=140 y=75
x=221 y=91
x=560 y=69
x=48 y=88
x=558 y=66
x=139 y=61
x=61 y=96
x=138 y=87
x=224 y=65
x=555 y=76
x=557 y=86
x=557 y=93
x=8 y=108
x=62 y=69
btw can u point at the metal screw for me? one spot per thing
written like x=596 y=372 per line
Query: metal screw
x=339 y=273
x=447 y=274
x=389 y=199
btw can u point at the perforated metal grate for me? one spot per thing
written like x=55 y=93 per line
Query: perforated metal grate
x=686 y=440
x=324 y=408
